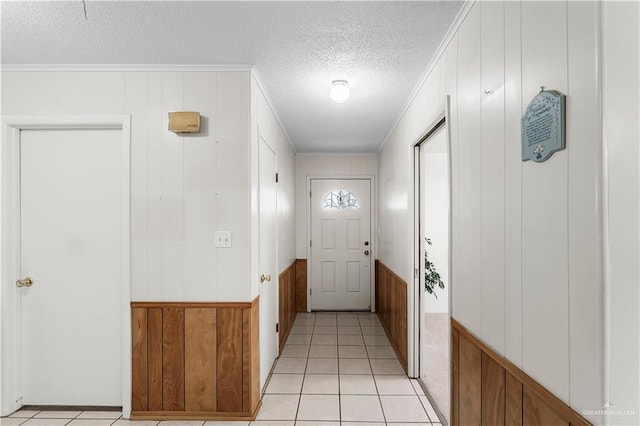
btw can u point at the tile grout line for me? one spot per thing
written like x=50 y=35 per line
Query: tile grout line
x=375 y=383
x=304 y=373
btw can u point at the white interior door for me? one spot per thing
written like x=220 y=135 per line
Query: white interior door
x=267 y=260
x=70 y=246
x=341 y=248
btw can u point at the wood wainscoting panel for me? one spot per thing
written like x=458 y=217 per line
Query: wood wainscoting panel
x=154 y=327
x=391 y=305
x=488 y=389
x=493 y=392
x=513 y=413
x=301 y=285
x=139 y=360
x=455 y=377
x=470 y=376
x=200 y=365
x=537 y=412
x=392 y=310
x=388 y=296
x=376 y=285
x=230 y=360
x=251 y=359
x=195 y=360
x=287 y=307
x=172 y=359
x=400 y=315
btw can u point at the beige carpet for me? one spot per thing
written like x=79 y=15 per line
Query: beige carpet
x=436 y=346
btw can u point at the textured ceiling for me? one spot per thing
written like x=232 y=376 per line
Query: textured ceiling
x=298 y=48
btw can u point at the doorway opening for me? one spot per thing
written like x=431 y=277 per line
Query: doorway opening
x=433 y=191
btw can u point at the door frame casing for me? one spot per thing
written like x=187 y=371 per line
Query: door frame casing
x=10 y=342
x=372 y=224
x=443 y=120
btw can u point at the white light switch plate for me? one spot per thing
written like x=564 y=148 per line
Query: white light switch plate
x=223 y=239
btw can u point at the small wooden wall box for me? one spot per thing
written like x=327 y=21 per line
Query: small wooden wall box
x=184 y=122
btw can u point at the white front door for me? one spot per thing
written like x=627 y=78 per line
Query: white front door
x=70 y=246
x=341 y=248
x=268 y=307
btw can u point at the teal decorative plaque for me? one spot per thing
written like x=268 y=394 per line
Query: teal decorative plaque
x=543 y=126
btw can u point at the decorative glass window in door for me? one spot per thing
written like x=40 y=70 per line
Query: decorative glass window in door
x=340 y=199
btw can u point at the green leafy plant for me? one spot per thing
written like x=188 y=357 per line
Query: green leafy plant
x=431 y=276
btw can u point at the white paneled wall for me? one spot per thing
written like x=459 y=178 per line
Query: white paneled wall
x=286 y=206
x=621 y=130
x=492 y=163
x=468 y=307
x=317 y=165
x=584 y=190
x=512 y=184
x=183 y=188
x=545 y=266
x=527 y=273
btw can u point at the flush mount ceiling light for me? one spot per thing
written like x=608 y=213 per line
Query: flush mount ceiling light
x=340 y=91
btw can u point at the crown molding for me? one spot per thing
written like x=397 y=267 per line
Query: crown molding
x=124 y=67
x=453 y=30
x=338 y=154
x=265 y=93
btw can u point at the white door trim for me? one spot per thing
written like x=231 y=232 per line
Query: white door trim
x=373 y=224
x=10 y=388
x=413 y=305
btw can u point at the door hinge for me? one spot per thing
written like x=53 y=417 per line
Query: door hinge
x=310 y=291
x=416 y=273
x=309 y=194
x=310 y=243
x=276 y=178
x=277 y=327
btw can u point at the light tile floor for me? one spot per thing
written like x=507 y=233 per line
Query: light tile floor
x=337 y=369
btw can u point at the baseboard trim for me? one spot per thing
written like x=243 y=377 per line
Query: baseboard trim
x=110 y=408
x=196 y=415
x=226 y=305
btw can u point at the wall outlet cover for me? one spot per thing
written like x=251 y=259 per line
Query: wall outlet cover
x=223 y=239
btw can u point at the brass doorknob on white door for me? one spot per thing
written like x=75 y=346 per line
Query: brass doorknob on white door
x=25 y=282
x=265 y=277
